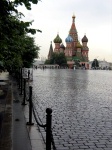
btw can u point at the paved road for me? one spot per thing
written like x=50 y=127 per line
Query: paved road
x=82 y=107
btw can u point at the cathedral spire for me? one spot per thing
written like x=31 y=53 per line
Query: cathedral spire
x=50 y=51
x=73 y=30
x=73 y=17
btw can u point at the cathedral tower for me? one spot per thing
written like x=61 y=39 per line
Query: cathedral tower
x=73 y=31
x=69 y=46
x=57 y=42
x=85 y=48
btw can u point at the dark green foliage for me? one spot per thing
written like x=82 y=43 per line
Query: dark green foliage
x=57 y=58
x=47 y=61
x=17 y=49
x=27 y=3
x=31 y=52
x=95 y=63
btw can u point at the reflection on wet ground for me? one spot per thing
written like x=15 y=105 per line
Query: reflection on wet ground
x=81 y=101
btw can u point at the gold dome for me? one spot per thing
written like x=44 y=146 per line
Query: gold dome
x=78 y=45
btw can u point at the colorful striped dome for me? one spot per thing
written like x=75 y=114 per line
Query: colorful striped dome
x=84 y=39
x=69 y=39
x=78 y=45
x=62 y=46
x=57 y=39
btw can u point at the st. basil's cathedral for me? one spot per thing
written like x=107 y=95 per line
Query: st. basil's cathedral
x=74 y=51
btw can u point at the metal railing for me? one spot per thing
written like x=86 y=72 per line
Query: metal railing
x=47 y=126
x=33 y=111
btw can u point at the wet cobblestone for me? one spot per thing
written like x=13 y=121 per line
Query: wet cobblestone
x=81 y=101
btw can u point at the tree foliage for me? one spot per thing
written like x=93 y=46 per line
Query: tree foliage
x=30 y=52
x=17 y=49
x=57 y=58
x=95 y=63
x=27 y=3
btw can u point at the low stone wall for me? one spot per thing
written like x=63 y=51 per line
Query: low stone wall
x=6 y=116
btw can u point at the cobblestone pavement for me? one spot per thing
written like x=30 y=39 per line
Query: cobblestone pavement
x=81 y=101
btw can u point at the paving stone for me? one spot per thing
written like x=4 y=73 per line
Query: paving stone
x=81 y=114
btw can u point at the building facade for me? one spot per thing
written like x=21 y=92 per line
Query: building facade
x=74 y=51
x=105 y=65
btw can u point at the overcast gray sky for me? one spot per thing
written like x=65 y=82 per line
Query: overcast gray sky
x=93 y=18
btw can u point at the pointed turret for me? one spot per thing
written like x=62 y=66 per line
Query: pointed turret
x=50 y=51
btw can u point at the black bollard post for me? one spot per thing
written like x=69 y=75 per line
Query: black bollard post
x=28 y=75
x=24 y=96
x=30 y=107
x=21 y=83
x=28 y=81
x=19 y=78
x=48 y=128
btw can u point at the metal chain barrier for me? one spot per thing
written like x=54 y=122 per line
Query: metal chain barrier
x=32 y=110
x=44 y=126
x=41 y=125
x=52 y=140
x=47 y=126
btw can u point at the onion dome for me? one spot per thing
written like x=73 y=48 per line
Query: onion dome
x=62 y=46
x=84 y=39
x=57 y=39
x=78 y=45
x=69 y=39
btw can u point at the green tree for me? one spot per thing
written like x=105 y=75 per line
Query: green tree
x=13 y=35
x=47 y=61
x=57 y=58
x=95 y=63
x=30 y=52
